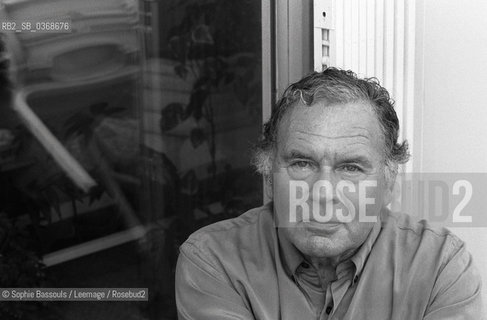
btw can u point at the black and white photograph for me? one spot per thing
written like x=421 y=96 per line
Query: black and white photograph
x=243 y=159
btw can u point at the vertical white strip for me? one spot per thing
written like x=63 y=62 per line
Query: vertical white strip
x=419 y=96
x=379 y=39
x=317 y=36
x=370 y=38
x=355 y=36
x=317 y=49
x=339 y=35
x=332 y=35
x=398 y=82
x=347 y=27
x=362 y=32
x=388 y=45
x=409 y=102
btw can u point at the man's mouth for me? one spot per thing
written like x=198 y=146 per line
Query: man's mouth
x=320 y=227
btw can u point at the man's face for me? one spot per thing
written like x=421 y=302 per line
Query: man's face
x=332 y=143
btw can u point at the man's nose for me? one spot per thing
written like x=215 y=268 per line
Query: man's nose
x=325 y=185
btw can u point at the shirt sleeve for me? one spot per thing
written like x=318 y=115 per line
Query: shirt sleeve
x=203 y=292
x=457 y=291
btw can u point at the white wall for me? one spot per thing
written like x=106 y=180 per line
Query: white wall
x=452 y=63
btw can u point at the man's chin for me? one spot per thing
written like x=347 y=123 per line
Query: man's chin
x=322 y=251
x=320 y=246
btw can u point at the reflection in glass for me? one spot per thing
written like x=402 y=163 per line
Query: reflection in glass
x=156 y=104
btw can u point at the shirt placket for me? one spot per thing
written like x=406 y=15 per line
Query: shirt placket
x=327 y=311
x=335 y=291
x=333 y=294
x=309 y=283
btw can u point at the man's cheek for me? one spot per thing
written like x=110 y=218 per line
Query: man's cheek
x=290 y=200
x=280 y=191
x=359 y=201
x=369 y=200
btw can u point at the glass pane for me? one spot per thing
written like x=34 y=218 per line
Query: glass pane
x=203 y=104
x=202 y=115
x=132 y=126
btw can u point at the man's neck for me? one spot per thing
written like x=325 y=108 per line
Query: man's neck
x=326 y=267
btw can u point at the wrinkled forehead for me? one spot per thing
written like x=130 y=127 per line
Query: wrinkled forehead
x=358 y=111
x=356 y=118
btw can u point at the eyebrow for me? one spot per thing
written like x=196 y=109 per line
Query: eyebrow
x=293 y=154
x=352 y=158
x=356 y=159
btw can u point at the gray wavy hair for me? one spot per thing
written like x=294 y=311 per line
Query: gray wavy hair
x=335 y=86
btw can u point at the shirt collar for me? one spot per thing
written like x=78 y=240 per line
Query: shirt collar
x=293 y=258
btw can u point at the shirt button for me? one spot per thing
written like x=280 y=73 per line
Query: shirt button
x=305 y=265
x=328 y=309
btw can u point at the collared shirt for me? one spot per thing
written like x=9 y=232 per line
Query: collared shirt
x=342 y=286
x=243 y=269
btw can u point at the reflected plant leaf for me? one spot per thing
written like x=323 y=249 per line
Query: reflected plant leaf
x=171 y=116
x=197 y=137
x=201 y=35
x=196 y=103
x=190 y=183
x=181 y=71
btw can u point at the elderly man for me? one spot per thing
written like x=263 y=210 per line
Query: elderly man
x=327 y=247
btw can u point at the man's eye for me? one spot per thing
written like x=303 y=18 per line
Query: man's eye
x=301 y=165
x=351 y=168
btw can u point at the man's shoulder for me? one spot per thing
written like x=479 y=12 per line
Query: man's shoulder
x=427 y=263
x=408 y=226
x=249 y=229
x=412 y=236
